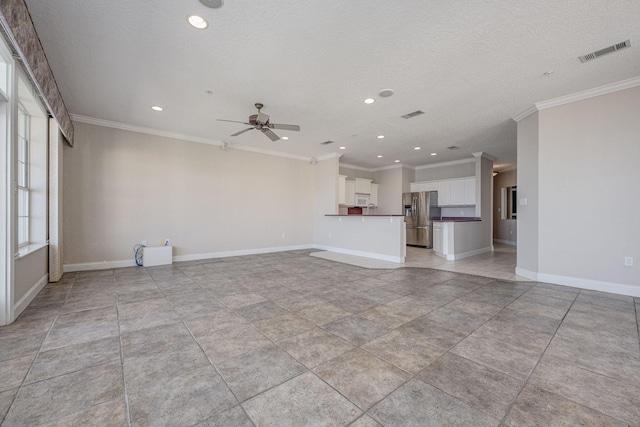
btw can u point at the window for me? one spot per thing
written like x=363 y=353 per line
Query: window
x=23 y=176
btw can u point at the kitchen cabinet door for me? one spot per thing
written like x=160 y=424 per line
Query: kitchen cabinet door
x=457 y=192
x=437 y=238
x=373 y=198
x=342 y=183
x=444 y=193
x=363 y=186
x=350 y=193
x=470 y=191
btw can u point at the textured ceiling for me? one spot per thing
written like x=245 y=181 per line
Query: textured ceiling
x=470 y=65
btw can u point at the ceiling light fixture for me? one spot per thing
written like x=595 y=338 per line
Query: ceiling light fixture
x=285 y=137
x=417 y=148
x=434 y=154
x=197 y=22
x=385 y=93
x=380 y=136
x=379 y=156
x=213 y=4
x=157 y=108
x=343 y=148
x=369 y=101
x=396 y=161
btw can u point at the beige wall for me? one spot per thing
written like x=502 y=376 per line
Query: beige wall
x=504 y=230
x=355 y=173
x=122 y=187
x=527 y=223
x=445 y=171
x=389 y=190
x=589 y=193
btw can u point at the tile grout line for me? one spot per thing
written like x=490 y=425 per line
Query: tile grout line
x=33 y=362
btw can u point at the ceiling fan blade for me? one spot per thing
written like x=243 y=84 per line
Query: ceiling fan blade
x=284 y=127
x=272 y=136
x=233 y=121
x=262 y=118
x=242 y=131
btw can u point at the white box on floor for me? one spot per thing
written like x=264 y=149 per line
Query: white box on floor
x=157 y=255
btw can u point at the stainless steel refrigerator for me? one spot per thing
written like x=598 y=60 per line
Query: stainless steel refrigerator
x=419 y=211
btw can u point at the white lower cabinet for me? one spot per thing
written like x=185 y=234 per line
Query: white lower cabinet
x=437 y=237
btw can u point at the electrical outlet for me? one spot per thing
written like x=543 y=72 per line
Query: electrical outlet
x=144 y=243
x=628 y=261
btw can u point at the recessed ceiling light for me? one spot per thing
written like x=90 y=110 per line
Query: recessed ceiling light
x=396 y=161
x=379 y=157
x=343 y=148
x=434 y=154
x=213 y=4
x=417 y=148
x=157 y=108
x=386 y=93
x=380 y=136
x=285 y=137
x=369 y=101
x=198 y=22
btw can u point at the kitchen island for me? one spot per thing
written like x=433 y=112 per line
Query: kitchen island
x=459 y=237
x=377 y=236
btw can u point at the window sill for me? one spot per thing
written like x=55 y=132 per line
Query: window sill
x=29 y=249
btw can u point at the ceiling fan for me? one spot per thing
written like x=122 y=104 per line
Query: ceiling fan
x=261 y=122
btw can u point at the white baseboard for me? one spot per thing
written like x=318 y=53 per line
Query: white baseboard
x=577 y=282
x=463 y=255
x=226 y=254
x=506 y=242
x=381 y=257
x=105 y=265
x=29 y=296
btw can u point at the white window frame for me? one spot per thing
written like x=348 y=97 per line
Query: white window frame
x=22 y=178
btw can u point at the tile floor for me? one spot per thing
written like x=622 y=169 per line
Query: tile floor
x=287 y=339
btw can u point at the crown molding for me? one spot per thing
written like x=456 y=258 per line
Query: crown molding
x=579 y=96
x=482 y=154
x=184 y=137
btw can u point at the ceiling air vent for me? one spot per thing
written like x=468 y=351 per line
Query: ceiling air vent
x=605 y=51
x=410 y=115
x=453 y=147
x=327 y=142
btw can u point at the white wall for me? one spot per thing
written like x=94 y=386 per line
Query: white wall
x=122 y=187
x=588 y=179
x=355 y=173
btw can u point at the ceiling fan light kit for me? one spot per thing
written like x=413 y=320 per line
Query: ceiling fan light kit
x=260 y=121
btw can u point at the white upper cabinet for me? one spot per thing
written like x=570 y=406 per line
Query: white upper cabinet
x=350 y=193
x=342 y=183
x=363 y=186
x=373 y=198
x=470 y=191
x=451 y=192
x=444 y=193
x=457 y=192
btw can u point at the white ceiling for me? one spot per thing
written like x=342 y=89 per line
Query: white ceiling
x=470 y=65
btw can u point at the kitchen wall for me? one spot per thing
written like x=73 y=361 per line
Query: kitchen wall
x=355 y=173
x=389 y=190
x=576 y=162
x=446 y=170
x=504 y=230
x=122 y=187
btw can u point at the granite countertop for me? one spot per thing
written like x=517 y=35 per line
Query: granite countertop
x=387 y=215
x=458 y=219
